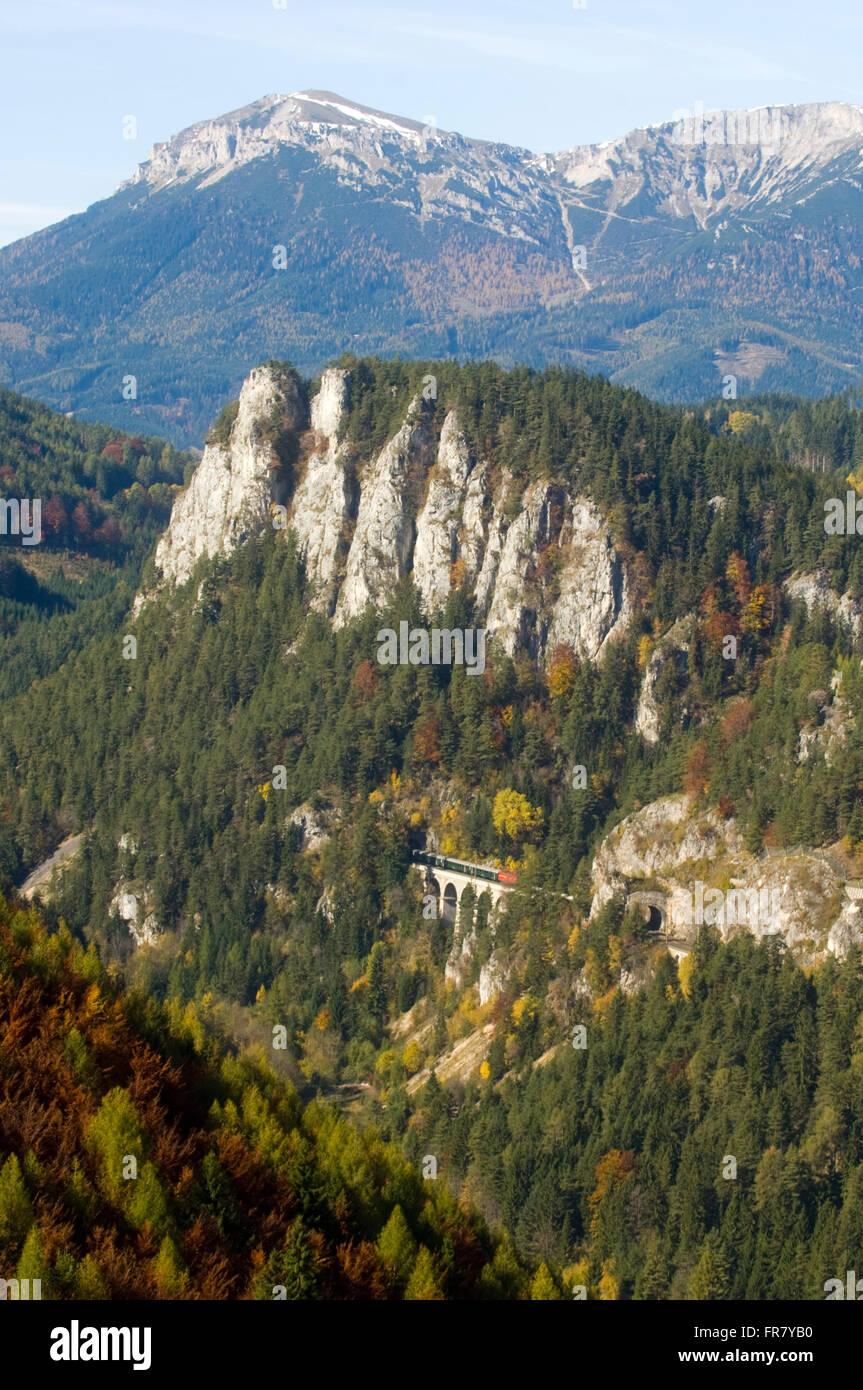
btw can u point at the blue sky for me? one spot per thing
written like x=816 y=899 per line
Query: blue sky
x=543 y=73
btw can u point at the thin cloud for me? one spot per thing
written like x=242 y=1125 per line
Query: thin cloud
x=738 y=62
x=258 y=30
x=560 y=50
x=597 y=49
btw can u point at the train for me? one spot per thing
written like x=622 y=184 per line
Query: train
x=458 y=866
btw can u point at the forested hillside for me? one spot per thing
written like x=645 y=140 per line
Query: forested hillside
x=104 y=497
x=141 y=1159
x=289 y=901
x=706 y=1143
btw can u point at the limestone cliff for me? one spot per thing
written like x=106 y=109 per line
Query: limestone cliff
x=234 y=485
x=538 y=561
x=815 y=591
x=674 y=855
x=382 y=543
x=325 y=498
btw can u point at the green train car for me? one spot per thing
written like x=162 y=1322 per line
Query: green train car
x=458 y=866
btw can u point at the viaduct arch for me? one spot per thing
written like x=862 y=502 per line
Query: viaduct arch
x=449 y=892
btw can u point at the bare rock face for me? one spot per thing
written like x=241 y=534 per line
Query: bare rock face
x=654 y=842
x=539 y=563
x=674 y=648
x=595 y=602
x=696 y=862
x=816 y=592
x=437 y=535
x=461 y=954
x=716 y=161
x=325 y=499
x=490 y=539
x=234 y=485
x=512 y=618
x=847 y=930
x=39 y=883
x=132 y=908
x=314 y=832
x=382 y=544
x=492 y=977
x=837 y=720
x=551 y=576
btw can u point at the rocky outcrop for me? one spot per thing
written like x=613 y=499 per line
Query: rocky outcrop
x=461 y=953
x=695 y=863
x=133 y=909
x=512 y=616
x=847 y=930
x=437 y=534
x=325 y=499
x=39 y=883
x=382 y=543
x=551 y=576
x=314 y=833
x=672 y=650
x=816 y=592
x=234 y=485
x=836 y=721
x=538 y=562
x=595 y=599
x=492 y=976
x=460 y=1063
x=655 y=842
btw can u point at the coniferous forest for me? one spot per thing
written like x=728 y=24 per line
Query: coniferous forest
x=305 y=1163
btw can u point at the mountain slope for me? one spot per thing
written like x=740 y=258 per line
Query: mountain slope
x=102 y=498
x=140 y=1159
x=254 y=793
x=302 y=224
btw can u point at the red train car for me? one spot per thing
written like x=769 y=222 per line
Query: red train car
x=504 y=876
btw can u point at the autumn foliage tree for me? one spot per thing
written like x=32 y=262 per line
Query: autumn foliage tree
x=737 y=574
x=55 y=519
x=366 y=678
x=427 y=741
x=129 y=1172
x=562 y=671
x=696 y=777
x=514 y=817
x=82 y=527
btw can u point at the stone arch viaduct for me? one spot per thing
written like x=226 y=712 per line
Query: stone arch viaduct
x=448 y=879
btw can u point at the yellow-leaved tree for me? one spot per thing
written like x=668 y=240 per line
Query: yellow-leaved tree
x=741 y=420
x=423 y=1285
x=562 y=670
x=513 y=815
x=544 y=1289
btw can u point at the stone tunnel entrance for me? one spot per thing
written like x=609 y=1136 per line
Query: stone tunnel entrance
x=654 y=909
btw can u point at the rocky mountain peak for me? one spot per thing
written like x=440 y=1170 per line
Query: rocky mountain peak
x=697 y=159
x=311 y=220
x=705 y=162
x=317 y=120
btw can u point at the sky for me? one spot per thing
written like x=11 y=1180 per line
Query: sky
x=545 y=74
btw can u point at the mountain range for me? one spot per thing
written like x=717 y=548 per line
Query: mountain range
x=715 y=252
